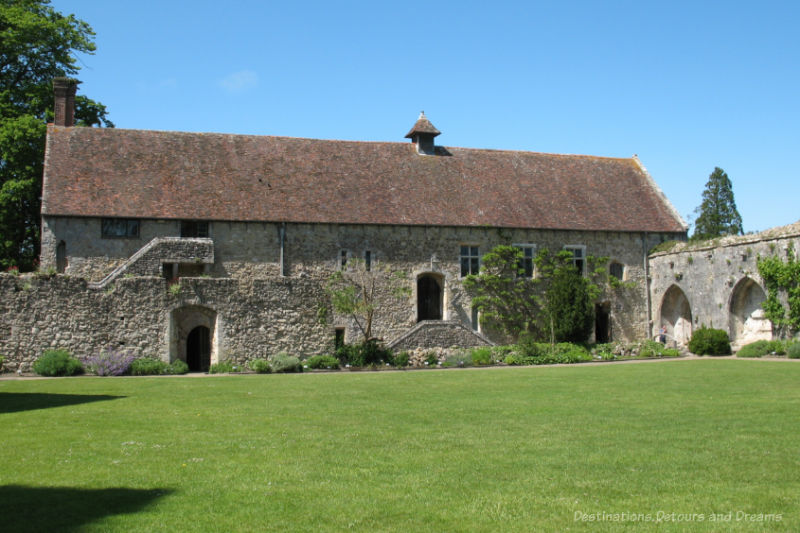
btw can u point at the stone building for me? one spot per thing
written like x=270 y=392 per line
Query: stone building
x=253 y=226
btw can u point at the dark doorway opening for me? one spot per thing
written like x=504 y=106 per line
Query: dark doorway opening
x=61 y=257
x=338 y=340
x=198 y=349
x=602 y=323
x=429 y=298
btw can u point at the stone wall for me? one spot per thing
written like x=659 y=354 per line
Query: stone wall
x=252 y=251
x=716 y=284
x=251 y=319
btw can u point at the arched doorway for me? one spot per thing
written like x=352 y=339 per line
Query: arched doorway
x=746 y=318
x=198 y=349
x=193 y=331
x=429 y=297
x=676 y=314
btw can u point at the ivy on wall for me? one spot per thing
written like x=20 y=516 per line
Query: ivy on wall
x=781 y=277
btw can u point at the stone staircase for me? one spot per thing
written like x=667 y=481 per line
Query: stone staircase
x=148 y=259
x=439 y=334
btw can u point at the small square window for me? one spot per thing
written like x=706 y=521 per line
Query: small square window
x=470 y=260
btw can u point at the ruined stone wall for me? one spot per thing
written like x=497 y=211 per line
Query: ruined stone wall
x=716 y=284
x=253 y=319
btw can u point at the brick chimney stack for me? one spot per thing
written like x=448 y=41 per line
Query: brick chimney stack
x=64 y=91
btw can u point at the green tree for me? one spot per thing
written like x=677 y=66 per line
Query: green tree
x=37 y=44
x=356 y=292
x=555 y=305
x=718 y=215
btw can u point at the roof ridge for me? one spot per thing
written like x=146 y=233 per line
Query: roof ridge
x=352 y=141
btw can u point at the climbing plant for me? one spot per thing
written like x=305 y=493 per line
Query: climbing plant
x=781 y=277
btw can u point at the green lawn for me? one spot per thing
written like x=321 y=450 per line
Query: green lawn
x=505 y=449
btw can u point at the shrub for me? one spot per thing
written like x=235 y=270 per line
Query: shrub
x=458 y=359
x=178 y=367
x=605 y=352
x=778 y=347
x=567 y=353
x=511 y=359
x=2 y=360
x=371 y=352
x=223 y=367
x=538 y=353
x=670 y=352
x=110 y=362
x=754 y=349
x=260 y=366
x=431 y=359
x=709 y=341
x=481 y=356
x=401 y=360
x=651 y=349
x=57 y=363
x=283 y=362
x=323 y=362
x=793 y=351
x=148 y=366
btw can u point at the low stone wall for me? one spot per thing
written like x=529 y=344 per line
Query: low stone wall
x=252 y=320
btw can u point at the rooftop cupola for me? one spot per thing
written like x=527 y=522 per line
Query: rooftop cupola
x=422 y=134
x=64 y=92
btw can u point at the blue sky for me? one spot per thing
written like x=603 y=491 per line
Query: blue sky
x=685 y=85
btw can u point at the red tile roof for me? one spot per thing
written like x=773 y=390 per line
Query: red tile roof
x=151 y=174
x=423 y=125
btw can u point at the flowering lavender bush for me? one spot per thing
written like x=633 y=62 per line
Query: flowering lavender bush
x=110 y=362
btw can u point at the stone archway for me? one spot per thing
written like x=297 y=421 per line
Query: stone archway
x=193 y=336
x=429 y=297
x=676 y=315
x=746 y=319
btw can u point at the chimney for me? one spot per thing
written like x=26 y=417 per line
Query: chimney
x=64 y=92
x=422 y=134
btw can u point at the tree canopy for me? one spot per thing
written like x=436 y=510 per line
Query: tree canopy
x=37 y=44
x=556 y=304
x=718 y=215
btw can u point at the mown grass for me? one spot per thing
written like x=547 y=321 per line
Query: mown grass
x=508 y=449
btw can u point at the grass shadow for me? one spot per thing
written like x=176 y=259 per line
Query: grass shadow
x=35 y=509
x=12 y=402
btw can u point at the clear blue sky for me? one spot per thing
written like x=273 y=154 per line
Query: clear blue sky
x=685 y=85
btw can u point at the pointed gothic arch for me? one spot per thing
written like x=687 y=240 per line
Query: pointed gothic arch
x=746 y=320
x=676 y=315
